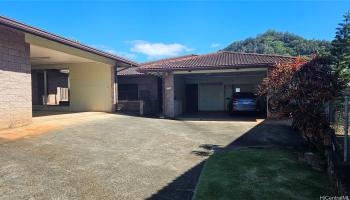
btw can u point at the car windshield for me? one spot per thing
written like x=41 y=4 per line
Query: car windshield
x=243 y=95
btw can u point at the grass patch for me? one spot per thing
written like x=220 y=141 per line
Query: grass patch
x=260 y=174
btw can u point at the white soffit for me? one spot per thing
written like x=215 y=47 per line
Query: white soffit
x=42 y=56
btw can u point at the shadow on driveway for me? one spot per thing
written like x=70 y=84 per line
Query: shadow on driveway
x=221 y=116
x=269 y=133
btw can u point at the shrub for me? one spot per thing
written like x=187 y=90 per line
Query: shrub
x=301 y=94
x=277 y=85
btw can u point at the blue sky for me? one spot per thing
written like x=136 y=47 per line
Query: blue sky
x=143 y=31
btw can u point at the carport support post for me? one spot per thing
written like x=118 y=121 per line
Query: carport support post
x=268 y=114
x=115 y=87
x=45 y=88
x=168 y=97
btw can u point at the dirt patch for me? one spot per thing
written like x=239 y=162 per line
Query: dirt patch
x=31 y=130
x=45 y=124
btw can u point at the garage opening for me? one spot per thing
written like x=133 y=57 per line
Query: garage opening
x=211 y=93
x=191 y=98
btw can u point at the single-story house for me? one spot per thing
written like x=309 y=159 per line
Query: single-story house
x=43 y=71
x=196 y=83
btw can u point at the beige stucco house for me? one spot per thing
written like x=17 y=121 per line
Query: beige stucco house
x=43 y=71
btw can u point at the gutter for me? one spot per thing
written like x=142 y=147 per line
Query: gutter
x=199 y=68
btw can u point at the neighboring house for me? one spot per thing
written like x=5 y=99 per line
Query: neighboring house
x=197 y=83
x=43 y=71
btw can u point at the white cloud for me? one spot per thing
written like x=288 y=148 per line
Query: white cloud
x=215 y=45
x=155 y=50
x=115 y=52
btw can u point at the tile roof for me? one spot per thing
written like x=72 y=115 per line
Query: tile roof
x=167 y=60
x=217 y=60
x=41 y=33
x=132 y=71
x=136 y=71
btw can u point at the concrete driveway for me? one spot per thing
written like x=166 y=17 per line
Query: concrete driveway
x=108 y=156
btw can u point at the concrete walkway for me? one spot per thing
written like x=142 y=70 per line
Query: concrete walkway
x=108 y=156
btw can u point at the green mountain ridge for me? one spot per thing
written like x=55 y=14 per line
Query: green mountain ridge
x=280 y=43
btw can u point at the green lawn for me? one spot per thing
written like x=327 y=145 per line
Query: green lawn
x=260 y=174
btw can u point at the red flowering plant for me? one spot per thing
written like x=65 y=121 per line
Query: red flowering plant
x=301 y=93
x=276 y=86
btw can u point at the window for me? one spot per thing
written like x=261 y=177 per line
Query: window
x=128 y=92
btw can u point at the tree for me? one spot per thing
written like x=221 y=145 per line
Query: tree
x=281 y=43
x=311 y=87
x=341 y=47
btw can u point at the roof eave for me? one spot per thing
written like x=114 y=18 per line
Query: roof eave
x=44 y=34
x=132 y=74
x=199 y=68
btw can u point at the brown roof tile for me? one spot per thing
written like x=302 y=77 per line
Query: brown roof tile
x=168 y=60
x=131 y=71
x=217 y=60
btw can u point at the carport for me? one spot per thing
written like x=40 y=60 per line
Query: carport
x=204 y=83
x=65 y=81
x=41 y=71
x=210 y=91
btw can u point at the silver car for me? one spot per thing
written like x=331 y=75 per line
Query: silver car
x=243 y=102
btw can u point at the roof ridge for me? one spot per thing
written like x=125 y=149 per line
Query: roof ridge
x=38 y=29
x=34 y=30
x=258 y=54
x=169 y=59
x=242 y=53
